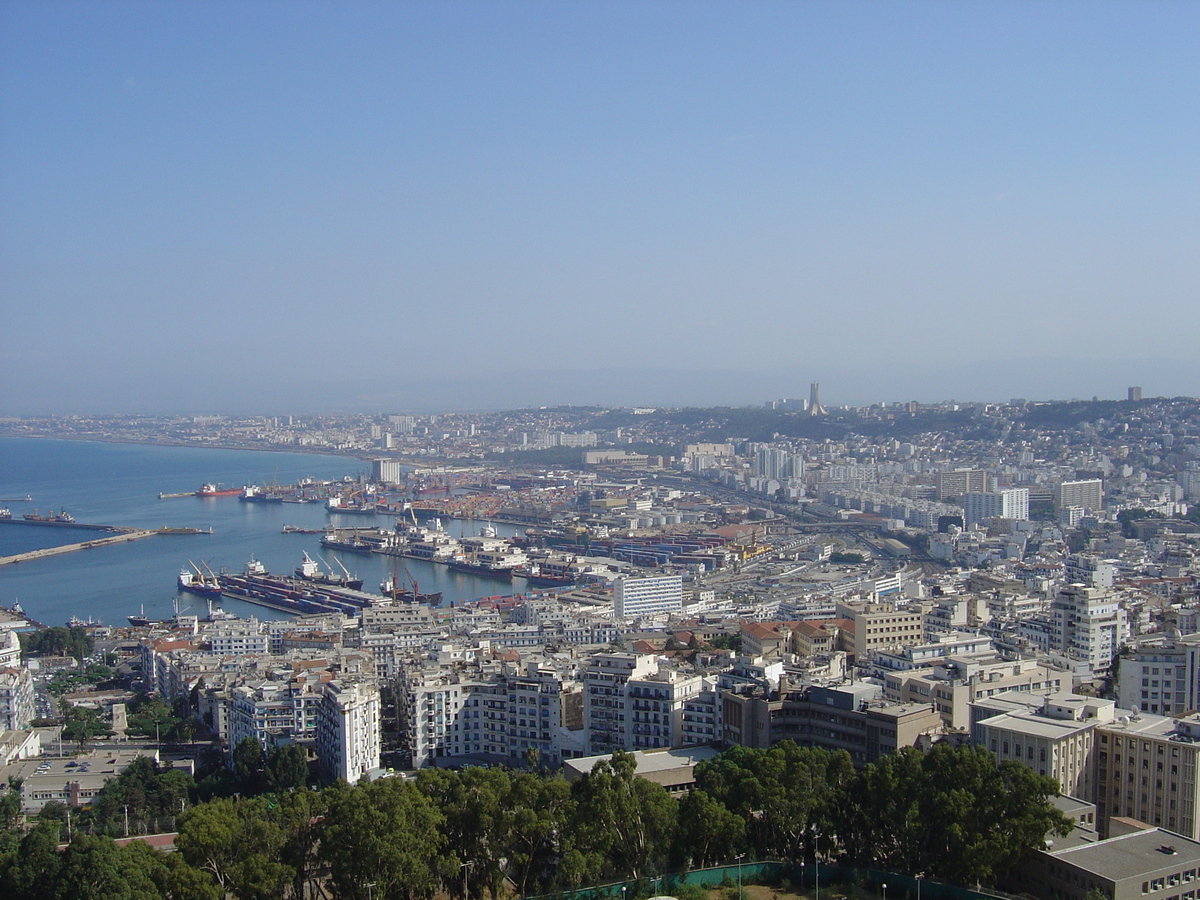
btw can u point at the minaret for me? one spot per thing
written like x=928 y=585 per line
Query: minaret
x=814 y=400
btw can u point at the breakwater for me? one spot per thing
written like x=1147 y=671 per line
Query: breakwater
x=125 y=535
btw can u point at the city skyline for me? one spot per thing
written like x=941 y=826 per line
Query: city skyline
x=458 y=206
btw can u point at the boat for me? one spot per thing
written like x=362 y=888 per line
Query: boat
x=390 y=588
x=5 y=513
x=309 y=571
x=217 y=615
x=62 y=517
x=252 y=493
x=296 y=529
x=208 y=489
x=140 y=620
x=195 y=581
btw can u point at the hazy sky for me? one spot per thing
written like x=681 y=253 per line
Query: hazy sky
x=223 y=206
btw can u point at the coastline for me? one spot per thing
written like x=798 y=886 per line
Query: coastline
x=98 y=439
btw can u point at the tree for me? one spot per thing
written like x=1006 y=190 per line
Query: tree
x=385 y=833
x=240 y=844
x=784 y=795
x=707 y=833
x=952 y=813
x=35 y=864
x=541 y=807
x=81 y=725
x=621 y=824
x=286 y=768
x=248 y=764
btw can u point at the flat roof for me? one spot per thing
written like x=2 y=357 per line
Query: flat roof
x=650 y=761
x=1133 y=855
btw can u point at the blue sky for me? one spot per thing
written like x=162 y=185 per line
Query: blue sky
x=225 y=206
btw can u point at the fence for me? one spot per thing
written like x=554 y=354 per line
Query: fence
x=834 y=879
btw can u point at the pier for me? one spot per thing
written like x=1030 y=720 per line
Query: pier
x=125 y=535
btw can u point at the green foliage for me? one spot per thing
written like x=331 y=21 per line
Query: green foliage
x=1128 y=516
x=286 y=768
x=952 y=813
x=784 y=795
x=58 y=641
x=620 y=824
x=248 y=764
x=846 y=558
x=707 y=832
x=81 y=725
x=150 y=795
x=386 y=833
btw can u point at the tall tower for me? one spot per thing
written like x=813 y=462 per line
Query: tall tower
x=814 y=400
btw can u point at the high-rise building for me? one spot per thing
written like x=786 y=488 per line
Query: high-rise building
x=1089 y=625
x=1007 y=504
x=962 y=481
x=1134 y=393
x=348 y=729
x=386 y=471
x=658 y=595
x=1087 y=494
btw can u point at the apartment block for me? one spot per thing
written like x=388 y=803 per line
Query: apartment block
x=1087 y=494
x=659 y=595
x=17 y=696
x=879 y=626
x=348 y=729
x=962 y=481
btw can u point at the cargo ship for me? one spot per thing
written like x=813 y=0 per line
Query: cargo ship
x=252 y=493
x=195 y=581
x=215 y=490
x=391 y=589
x=293 y=595
x=309 y=571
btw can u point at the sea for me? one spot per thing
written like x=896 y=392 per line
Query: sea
x=119 y=484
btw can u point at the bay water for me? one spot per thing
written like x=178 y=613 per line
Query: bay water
x=118 y=484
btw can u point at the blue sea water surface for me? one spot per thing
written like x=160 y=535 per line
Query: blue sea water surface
x=119 y=484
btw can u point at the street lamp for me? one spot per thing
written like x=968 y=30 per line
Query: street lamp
x=741 y=856
x=919 y=885
x=884 y=886
x=368 y=887
x=465 y=866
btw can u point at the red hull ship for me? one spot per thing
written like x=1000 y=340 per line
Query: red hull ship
x=214 y=490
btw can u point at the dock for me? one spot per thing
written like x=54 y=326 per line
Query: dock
x=125 y=535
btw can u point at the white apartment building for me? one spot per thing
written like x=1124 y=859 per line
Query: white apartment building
x=1161 y=676
x=978 y=506
x=957 y=682
x=1087 y=495
x=348 y=729
x=658 y=595
x=632 y=704
x=1085 y=568
x=10 y=648
x=274 y=712
x=499 y=716
x=1089 y=625
x=605 y=682
x=237 y=638
x=16 y=698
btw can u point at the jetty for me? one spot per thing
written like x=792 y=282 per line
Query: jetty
x=124 y=535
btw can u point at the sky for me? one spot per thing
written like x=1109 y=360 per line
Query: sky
x=228 y=207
